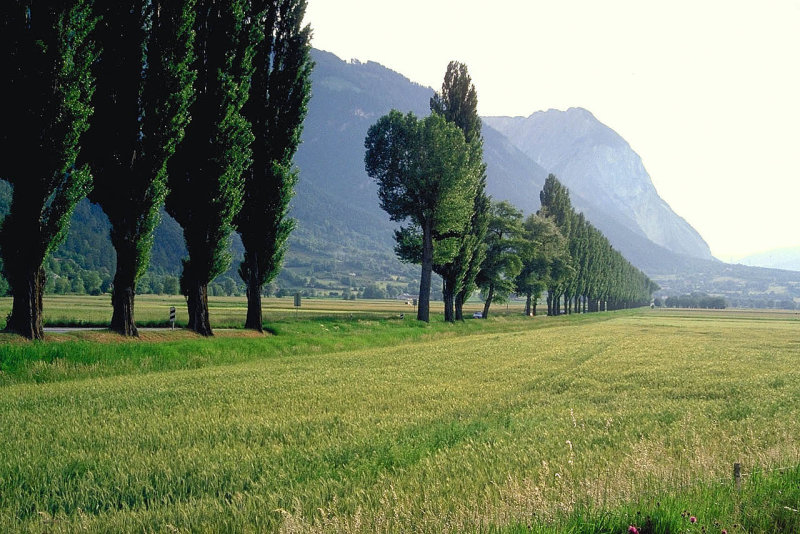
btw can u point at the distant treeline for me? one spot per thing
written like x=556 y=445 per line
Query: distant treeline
x=694 y=300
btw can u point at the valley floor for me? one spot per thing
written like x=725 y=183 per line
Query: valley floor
x=589 y=424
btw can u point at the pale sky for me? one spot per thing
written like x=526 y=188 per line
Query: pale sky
x=706 y=92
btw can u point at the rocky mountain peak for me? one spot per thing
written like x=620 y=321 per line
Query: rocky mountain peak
x=597 y=164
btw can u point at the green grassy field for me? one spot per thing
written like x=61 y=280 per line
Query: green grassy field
x=570 y=424
x=225 y=312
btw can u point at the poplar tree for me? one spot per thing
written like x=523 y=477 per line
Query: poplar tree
x=556 y=205
x=458 y=103
x=46 y=53
x=205 y=173
x=144 y=89
x=279 y=94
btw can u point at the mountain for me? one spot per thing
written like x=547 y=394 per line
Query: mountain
x=782 y=258
x=598 y=165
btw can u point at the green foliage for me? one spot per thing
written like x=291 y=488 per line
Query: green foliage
x=205 y=173
x=696 y=300
x=279 y=95
x=543 y=252
x=458 y=103
x=502 y=264
x=427 y=176
x=591 y=270
x=47 y=51
x=144 y=90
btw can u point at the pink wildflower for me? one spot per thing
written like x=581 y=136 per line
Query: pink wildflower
x=693 y=519
x=634 y=530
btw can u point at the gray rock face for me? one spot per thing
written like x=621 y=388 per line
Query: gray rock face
x=594 y=162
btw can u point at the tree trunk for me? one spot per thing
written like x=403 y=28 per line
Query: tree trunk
x=549 y=303
x=447 y=294
x=461 y=296
x=26 y=311
x=122 y=297
x=424 y=300
x=122 y=320
x=254 y=319
x=489 y=297
x=534 y=306
x=527 y=305
x=197 y=303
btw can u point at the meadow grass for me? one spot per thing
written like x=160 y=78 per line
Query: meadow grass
x=224 y=312
x=576 y=425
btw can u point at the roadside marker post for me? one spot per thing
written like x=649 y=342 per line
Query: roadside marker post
x=172 y=316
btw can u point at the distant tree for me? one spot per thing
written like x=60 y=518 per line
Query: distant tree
x=373 y=291
x=46 y=52
x=426 y=177
x=92 y=283
x=542 y=250
x=228 y=286
x=279 y=94
x=77 y=286
x=144 y=88
x=502 y=263
x=171 y=286
x=205 y=173
x=556 y=205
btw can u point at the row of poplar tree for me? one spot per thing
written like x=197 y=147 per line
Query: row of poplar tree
x=432 y=180
x=193 y=104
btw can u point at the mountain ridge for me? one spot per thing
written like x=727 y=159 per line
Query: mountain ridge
x=595 y=161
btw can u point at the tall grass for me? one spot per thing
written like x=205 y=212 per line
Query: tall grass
x=568 y=428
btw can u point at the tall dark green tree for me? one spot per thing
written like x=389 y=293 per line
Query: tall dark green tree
x=502 y=263
x=144 y=89
x=205 y=173
x=458 y=103
x=279 y=94
x=46 y=53
x=426 y=178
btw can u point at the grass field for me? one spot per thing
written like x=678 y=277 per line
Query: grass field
x=570 y=424
x=225 y=312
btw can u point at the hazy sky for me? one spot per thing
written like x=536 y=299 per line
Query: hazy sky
x=706 y=92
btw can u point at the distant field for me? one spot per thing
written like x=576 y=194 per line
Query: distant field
x=226 y=312
x=583 y=424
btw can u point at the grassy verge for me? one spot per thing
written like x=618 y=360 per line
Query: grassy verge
x=571 y=427
x=765 y=502
x=225 y=312
x=84 y=354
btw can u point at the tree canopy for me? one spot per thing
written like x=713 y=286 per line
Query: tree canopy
x=46 y=52
x=426 y=178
